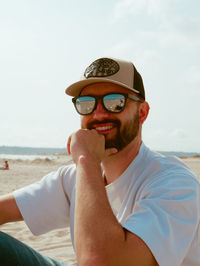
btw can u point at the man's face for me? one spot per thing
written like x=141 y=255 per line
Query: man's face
x=119 y=129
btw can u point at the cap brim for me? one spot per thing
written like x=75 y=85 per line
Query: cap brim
x=75 y=88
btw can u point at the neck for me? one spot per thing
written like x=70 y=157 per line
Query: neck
x=116 y=164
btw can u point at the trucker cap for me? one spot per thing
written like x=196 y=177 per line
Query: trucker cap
x=111 y=70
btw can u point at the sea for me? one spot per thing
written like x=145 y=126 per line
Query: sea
x=31 y=153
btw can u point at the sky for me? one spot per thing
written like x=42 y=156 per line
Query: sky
x=47 y=44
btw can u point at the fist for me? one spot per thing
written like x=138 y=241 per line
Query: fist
x=88 y=143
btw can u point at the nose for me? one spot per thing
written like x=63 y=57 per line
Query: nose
x=100 y=111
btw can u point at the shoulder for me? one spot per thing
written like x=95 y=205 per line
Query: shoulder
x=160 y=165
x=173 y=183
x=167 y=173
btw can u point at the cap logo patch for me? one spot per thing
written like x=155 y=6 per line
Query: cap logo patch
x=102 y=67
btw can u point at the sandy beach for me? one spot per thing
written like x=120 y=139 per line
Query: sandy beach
x=56 y=244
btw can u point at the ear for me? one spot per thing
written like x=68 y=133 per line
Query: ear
x=143 y=111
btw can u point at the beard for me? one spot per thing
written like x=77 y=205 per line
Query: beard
x=125 y=133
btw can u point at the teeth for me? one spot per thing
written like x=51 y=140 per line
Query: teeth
x=103 y=128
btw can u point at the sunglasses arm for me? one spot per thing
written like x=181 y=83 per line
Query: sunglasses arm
x=135 y=98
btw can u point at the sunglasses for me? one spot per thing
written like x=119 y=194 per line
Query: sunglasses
x=112 y=102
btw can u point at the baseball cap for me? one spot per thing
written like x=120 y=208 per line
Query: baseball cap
x=111 y=70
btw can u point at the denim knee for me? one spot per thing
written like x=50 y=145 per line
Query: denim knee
x=5 y=243
x=15 y=253
x=7 y=254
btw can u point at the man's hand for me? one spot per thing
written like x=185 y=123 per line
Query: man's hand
x=89 y=144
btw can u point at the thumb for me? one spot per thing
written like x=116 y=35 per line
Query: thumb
x=111 y=151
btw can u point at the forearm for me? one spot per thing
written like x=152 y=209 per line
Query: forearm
x=99 y=238
x=97 y=231
x=9 y=211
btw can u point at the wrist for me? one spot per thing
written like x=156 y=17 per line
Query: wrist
x=86 y=160
x=90 y=167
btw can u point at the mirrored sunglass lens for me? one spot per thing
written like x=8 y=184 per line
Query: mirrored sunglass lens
x=114 y=102
x=85 y=104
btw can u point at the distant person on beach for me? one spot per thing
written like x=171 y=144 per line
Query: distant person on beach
x=125 y=204
x=6 y=166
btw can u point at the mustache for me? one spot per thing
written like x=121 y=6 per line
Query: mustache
x=98 y=122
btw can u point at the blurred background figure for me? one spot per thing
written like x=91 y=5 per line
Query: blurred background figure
x=6 y=166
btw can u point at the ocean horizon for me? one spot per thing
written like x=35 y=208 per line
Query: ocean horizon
x=41 y=152
x=30 y=150
x=30 y=153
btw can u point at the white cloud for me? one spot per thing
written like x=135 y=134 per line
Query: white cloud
x=133 y=50
x=170 y=19
x=178 y=134
x=181 y=32
x=152 y=7
x=127 y=7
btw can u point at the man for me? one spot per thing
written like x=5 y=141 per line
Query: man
x=125 y=204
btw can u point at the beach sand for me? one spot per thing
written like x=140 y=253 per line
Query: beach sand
x=56 y=244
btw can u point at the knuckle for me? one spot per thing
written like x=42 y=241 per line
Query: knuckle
x=79 y=132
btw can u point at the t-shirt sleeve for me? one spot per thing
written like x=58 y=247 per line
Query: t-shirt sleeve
x=166 y=217
x=45 y=205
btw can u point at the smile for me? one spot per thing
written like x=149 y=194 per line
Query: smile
x=103 y=129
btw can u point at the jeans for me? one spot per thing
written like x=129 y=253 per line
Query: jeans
x=15 y=253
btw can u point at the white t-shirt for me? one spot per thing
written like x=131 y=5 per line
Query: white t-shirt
x=156 y=198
